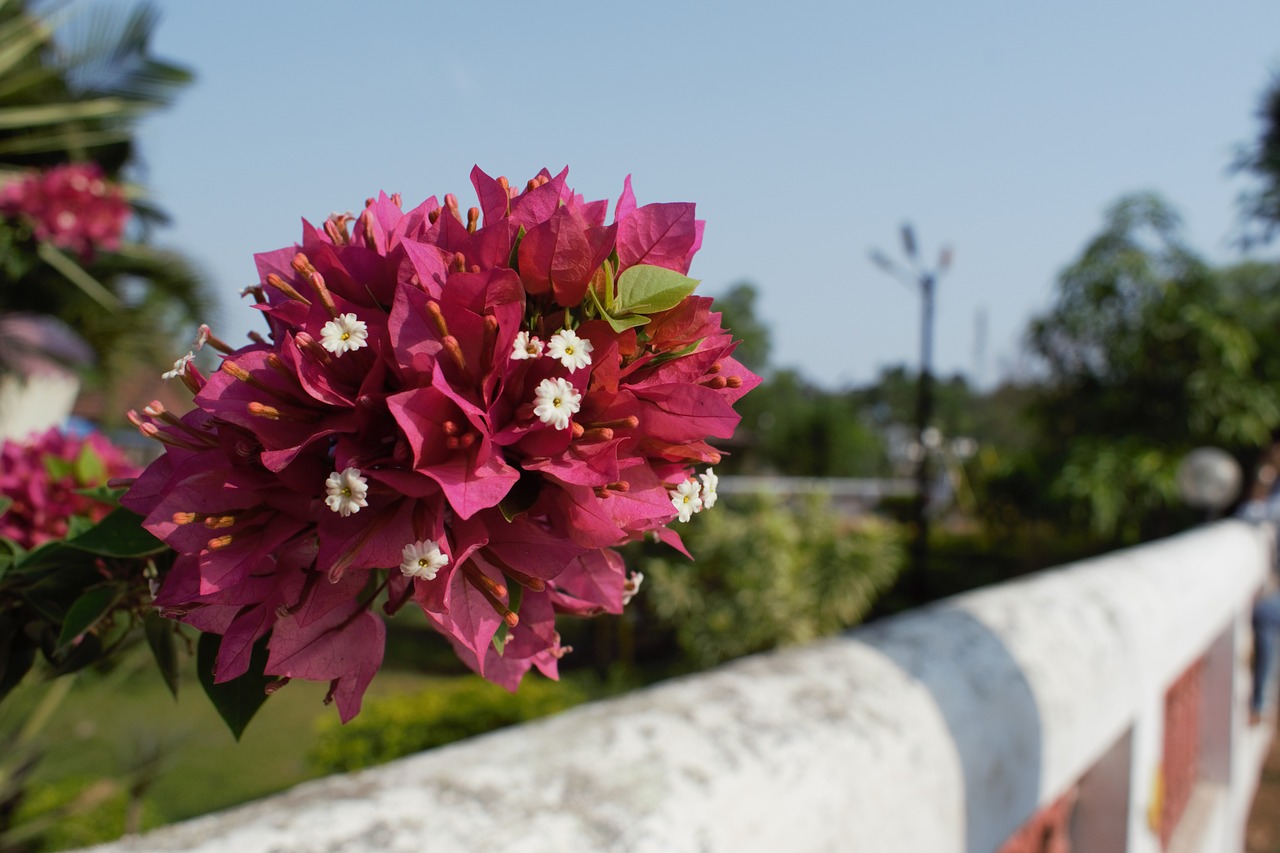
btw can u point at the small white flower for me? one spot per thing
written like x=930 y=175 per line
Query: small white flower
x=179 y=367
x=344 y=333
x=686 y=499
x=709 y=483
x=574 y=352
x=632 y=586
x=555 y=401
x=422 y=560
x=346 y=491
x=526 y=346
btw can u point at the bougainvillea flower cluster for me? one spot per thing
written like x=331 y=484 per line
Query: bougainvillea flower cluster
x=42 y=477
x=72 y=206
x=466 y=410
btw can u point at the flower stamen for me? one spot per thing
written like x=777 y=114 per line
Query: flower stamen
x=287 y=289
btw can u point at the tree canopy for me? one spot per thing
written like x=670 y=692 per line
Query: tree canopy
x=1149 y=352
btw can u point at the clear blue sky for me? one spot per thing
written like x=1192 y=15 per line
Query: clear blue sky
x=806 y=133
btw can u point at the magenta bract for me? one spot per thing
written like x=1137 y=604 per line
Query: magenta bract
x=42 y=475
x=477 y=382
x=72 y=206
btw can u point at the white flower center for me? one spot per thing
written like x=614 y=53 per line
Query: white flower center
x=687 y=499
x=344 y=333
x=423 y=559
x=709 y=483
x=346 y=491
x=526 y=346
x=572 y=351
x=554 y=401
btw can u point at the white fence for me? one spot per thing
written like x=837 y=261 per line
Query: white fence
x=944 y=729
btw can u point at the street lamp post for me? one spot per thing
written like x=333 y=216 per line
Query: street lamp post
x=920 y=276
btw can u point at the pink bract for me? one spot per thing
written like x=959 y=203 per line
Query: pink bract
x=390 y=405
x=41 y=477
x=72 y=206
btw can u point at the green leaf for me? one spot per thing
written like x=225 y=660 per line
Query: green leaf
x=16 y=118
x=663 y=357
x=5 y=503
x=102 y=494
x=610 y=286
x=162 y=638
x=17 y=653
x=513 y=260
x=89 y=469
x=645 y=289
x=87 y=611
x=50 y=555
x=78 y=276
x=87 y=652
x=77 y=525
x=120 y=534
x=62 y=140
x=57 y=468
x=240 y=698
x=619 y=324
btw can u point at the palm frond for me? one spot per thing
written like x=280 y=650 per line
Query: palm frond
x=106 y=53
x=105 y=109
x=68 y=139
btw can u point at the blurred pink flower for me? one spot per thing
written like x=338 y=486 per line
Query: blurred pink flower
x=72 y=206
x=41 y=477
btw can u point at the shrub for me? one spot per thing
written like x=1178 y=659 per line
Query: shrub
x=770 y=576
x=77 y=812
x=395 y=726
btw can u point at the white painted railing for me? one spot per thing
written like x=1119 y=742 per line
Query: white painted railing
x=35 y=403
x=944 y=729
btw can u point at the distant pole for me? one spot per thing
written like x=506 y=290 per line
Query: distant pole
x=926 y=280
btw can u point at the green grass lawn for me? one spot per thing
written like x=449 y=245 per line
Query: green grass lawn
x=118 y=725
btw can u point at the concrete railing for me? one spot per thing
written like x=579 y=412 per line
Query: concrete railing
x=35 y=403
x=944 y=729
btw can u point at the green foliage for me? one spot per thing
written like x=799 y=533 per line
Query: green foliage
x=646 y=289
x=240 y=698
x=770 y=576
x=396 y=726
x=738 y=314
x=74 y=601
x=641 y=290
x=1150 y=353
x=792 y=427
x=77 y=812
x=74 y=92
x=1260 y=207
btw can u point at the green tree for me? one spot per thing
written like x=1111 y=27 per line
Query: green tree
x=72 y=88
x=1260 y=207
x=738 y=307
x=792 y=427
x=1148 y=353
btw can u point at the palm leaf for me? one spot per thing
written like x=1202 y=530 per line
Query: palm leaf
x=16 y=118
x=67 y=139
x=105 y=53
